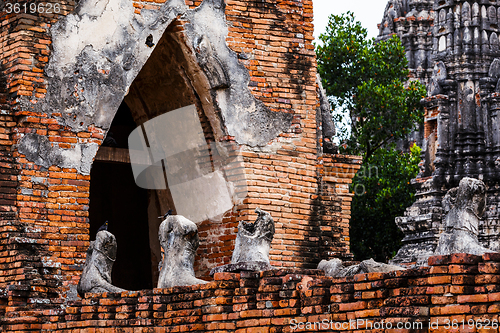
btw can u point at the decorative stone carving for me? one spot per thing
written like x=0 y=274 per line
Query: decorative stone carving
x=394 y=9
x=439 y=74
x=335 y=268
x=211 y=64
x=254 y=239
x=494 y=73
x=461 y=122
x=101 y=255
x=465 y=206
x=179 y=240
x=328 y=126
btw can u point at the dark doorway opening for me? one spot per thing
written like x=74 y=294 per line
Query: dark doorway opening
x=116 y=198
x=170 y=79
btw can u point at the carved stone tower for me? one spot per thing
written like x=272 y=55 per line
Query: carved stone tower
x=461 y=130
x=412 y=21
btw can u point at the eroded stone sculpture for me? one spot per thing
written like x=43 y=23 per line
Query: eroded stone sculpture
x=335 y=268
x=439 y=74
x=253 y=243
x=328 y=126
x=254 y=239
x=331 y=267
x=494 y=73
x=101 y=255
x=465 y=206
x=179 y=240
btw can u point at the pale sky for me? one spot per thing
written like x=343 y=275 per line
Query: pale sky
x=368 y=12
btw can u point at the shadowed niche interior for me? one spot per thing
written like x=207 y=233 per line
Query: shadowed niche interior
x=168 y=81
x=115 y=197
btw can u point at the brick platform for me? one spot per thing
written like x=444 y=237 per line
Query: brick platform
x=454 y=288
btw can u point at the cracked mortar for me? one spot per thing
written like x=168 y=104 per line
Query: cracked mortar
x=99 y=50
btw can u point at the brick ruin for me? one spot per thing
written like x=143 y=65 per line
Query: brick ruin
x=68 y=79
x=459 y=290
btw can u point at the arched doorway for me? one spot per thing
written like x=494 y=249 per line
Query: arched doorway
x=116 y=198
x=170 y=79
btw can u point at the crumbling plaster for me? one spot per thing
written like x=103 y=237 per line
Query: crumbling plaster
x=99 y=50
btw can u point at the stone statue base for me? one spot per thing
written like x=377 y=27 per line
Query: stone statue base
x=335 y=268
x=249 y=266
x=460 y=241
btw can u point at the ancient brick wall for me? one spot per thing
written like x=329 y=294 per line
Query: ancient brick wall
x=458 y=290
x=8 y=169
x=49 y=206
x=334 y=205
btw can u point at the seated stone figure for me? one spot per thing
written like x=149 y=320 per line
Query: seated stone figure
x=465 y=206
x=253 y=241
x=179 y=240
x=101 y=255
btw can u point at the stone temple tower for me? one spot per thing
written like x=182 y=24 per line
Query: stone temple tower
x=412 y=21
x=461 y=129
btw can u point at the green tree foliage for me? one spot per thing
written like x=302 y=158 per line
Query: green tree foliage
x=382 y=192
x=368 y=82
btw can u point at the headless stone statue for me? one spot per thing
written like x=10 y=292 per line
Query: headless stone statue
x=179 y=240
x=331 y=267
x=494 y=73
x=101 y=255
x=328 y=129
x=465 y=206
x=335 y=268
x=253 y=241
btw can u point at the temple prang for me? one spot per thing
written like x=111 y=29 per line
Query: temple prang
x=453 y=48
